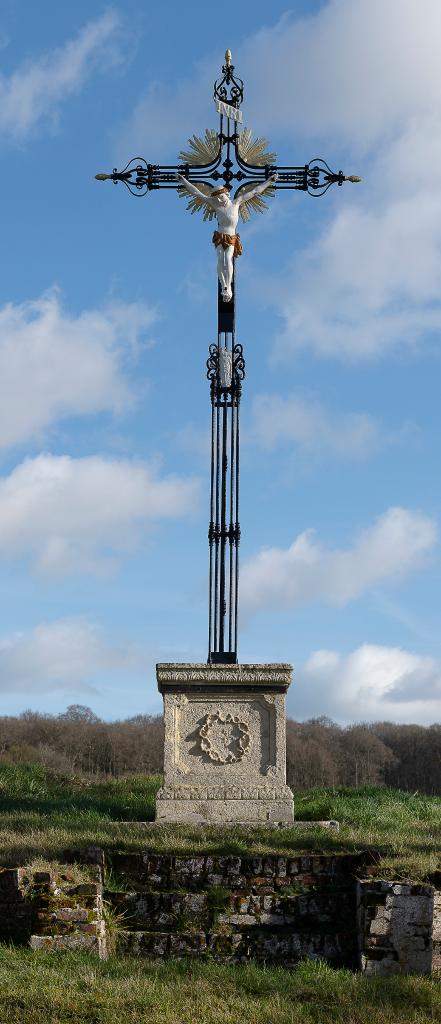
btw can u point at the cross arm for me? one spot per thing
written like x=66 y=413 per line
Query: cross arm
x=314 y=177
x=141 y=177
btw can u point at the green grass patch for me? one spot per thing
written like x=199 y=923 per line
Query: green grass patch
x=75 y=989
x=42 y=814
x=32 y=787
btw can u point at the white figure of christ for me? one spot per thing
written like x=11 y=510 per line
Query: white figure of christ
x=226 y=239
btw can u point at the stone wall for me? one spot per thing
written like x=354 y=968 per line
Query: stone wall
x=231 y=908
x=396 y=927
x=273 y=909
x=436 y=934
x=265 y=873
x=45 y=913
x=270 y=928
x=15 y=909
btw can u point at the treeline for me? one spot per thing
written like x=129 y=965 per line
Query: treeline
x=319 y=752
x=78 y=742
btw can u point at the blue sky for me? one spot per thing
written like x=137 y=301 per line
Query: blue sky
x=107 y=308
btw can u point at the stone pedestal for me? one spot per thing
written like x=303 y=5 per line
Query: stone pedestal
x=225 y=744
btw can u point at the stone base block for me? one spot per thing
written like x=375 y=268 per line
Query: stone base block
x=224 y=746
x=225 y=812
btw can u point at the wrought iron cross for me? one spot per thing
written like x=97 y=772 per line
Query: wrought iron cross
x=227 y=163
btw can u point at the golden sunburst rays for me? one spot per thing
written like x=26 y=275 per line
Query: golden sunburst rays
x=196 y=205
x=255 y=205
x=203 y=151
x=254 y=151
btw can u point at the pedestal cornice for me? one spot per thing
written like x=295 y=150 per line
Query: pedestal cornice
x=180 y=676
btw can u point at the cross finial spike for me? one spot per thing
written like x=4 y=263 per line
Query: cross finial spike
x=228 y=56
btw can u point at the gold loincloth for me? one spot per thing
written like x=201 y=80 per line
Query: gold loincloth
x=225 y=240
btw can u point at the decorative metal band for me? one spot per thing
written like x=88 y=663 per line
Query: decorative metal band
x=214 y=368
x=230 y=533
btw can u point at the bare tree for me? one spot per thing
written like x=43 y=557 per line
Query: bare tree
x=319 y=752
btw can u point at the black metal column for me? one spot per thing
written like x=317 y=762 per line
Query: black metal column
x=211 y=163
x=225 y=371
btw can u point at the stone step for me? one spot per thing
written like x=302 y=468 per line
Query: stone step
x=285 y=947
x=179 y=911
x=198 y=873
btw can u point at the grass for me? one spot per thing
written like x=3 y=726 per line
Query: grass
x=64 y=874
x=74 y=988
x=32 y=787
x=42 y=813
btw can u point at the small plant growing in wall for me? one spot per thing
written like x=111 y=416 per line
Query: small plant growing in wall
x=115 y=921
x=218 y=902
x=296 y=889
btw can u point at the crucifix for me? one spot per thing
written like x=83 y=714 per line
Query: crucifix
x=205 y=176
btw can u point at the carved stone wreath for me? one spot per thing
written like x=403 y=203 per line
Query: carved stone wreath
x=224 y=738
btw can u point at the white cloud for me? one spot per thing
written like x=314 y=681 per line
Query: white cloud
x=372 y=683
x=360 y=83
x=63 y=655
x=77 y=515
x=309 y=425
x=380 y=281
x=371 y=280
x=33 y=93
x=55 y=364
x=394 y=545
x=350 y=71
